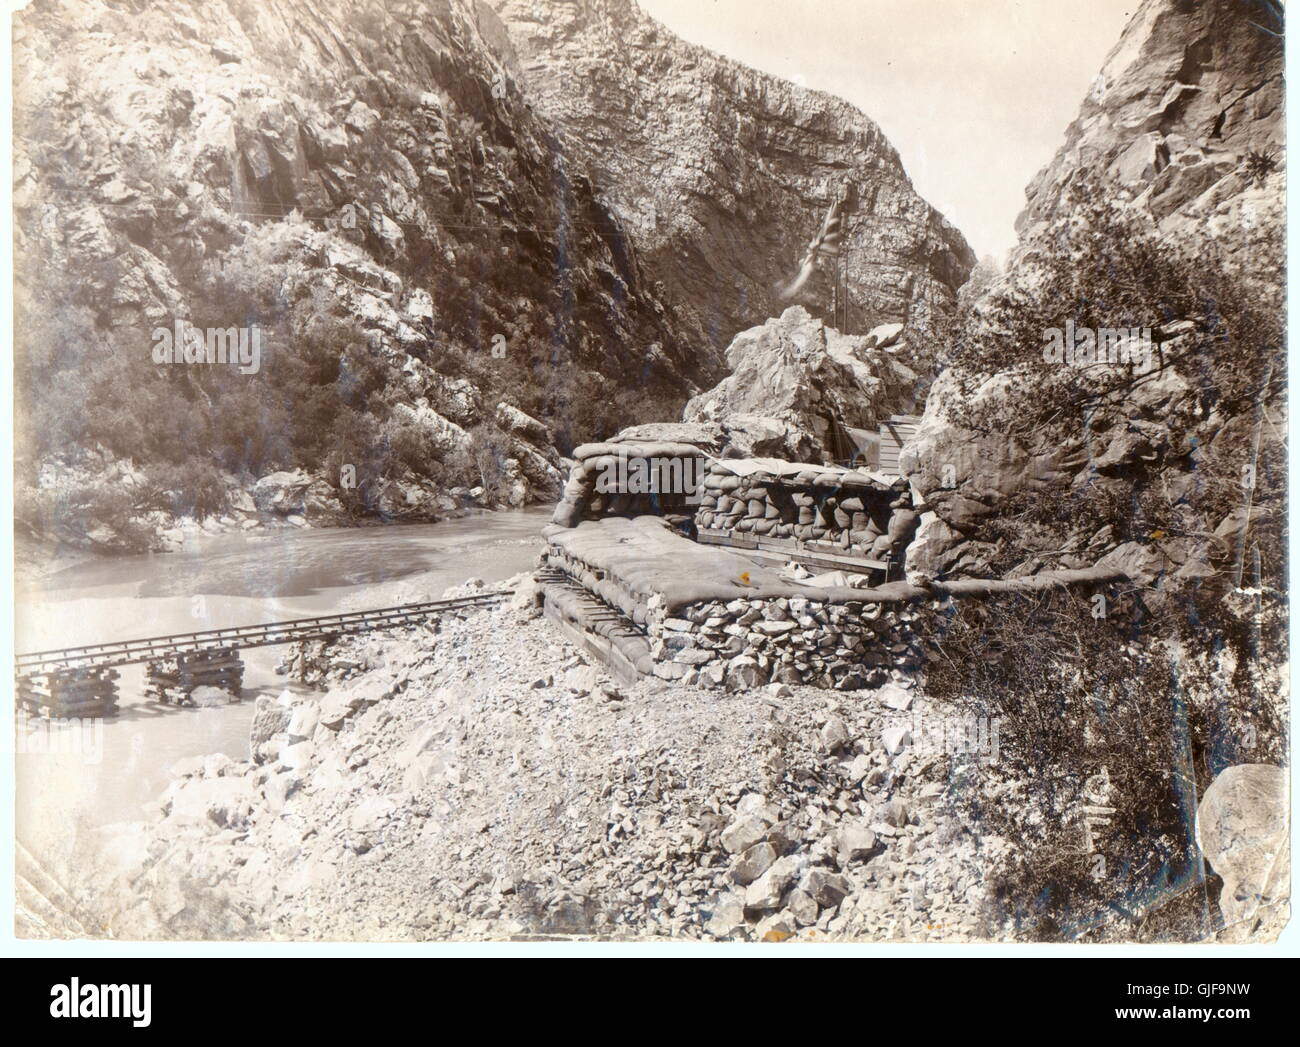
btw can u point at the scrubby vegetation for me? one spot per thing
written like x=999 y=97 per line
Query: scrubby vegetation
x=1075 y=695
x=1177 y=679
x=1208 y=407
x=325 y=393
x=442 y=187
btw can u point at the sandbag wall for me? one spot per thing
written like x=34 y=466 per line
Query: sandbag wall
x=860 y=514
x=633 y=606
x=629 y=479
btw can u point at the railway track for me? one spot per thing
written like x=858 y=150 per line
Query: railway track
x=133 y=652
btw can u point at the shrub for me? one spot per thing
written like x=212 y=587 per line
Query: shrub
x=1173 y=685
x=1073 y=694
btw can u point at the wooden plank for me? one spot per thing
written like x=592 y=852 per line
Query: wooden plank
x=597 y=646
x=788 y=549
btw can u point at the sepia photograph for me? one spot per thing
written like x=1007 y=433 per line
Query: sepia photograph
x=736 y=475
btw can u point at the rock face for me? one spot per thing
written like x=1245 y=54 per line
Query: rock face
x=791 y=376
x=723 y=174
x=351 y=173
x=1188 y=93
x=1186 y=115
x=960 y=479
x=1243 y=831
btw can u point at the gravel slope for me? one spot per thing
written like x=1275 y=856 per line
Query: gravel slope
x=487 y=782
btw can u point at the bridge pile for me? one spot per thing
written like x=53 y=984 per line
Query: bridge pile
x=85 y=692
x=174 y=679
x=80 y=681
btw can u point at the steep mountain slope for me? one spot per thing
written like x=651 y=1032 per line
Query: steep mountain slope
x=1186 y=113
x=364 y=183
x=723 y=174
x=1183 y=132
x=1120 y=400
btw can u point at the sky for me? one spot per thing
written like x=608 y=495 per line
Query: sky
x=974 y=94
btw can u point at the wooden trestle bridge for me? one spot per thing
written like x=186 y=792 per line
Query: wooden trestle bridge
x=81 y=681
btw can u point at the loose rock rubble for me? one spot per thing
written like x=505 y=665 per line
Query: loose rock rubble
x=489 y=782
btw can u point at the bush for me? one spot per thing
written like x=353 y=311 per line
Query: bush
x=1073 y=694
x=1108 y=267
x=195 y=489
x=1174 y=685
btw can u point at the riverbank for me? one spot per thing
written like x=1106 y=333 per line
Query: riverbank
x=66 y=799
x=36 y=560
x=486 y=782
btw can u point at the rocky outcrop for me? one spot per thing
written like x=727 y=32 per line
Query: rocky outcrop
x=1184 y=122
x=363 y=180
x=1244 y=832
x=1186 y=114
x=723 y=174
x=792 y=378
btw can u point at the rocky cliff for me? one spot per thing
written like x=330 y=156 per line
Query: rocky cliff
x=1182 y=133
x=439 y=289
x=723 y=174
x=1185 y=114
x=460 y=258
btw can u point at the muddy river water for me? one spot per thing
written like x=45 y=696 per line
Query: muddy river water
x=77 y=779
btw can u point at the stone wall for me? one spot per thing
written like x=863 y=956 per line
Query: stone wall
x=850 y=512
x=715 y=617
x=747 y=643
x=642 y=571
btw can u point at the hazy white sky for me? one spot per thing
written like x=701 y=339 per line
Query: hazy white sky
x=974 y=94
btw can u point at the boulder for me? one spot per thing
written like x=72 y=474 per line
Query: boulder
x=825 y=888
x=211 y=802
x=303 y=721
x=727 y=917
x=777 y=927
x=1243 y=831
x=743 y=833
x=767 y=891
x=834 y=735
x=790 y=376
x=895 y=812
x=802 y=907
x=743 y=673
x=753 y=863
x=895 y=738
x=855 y=842
x=297 y=493
x=270 y=718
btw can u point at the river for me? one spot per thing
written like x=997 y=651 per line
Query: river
x=217 y=582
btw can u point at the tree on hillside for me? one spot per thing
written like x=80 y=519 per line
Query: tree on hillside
x=1165 y=688
x=1206 y=395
